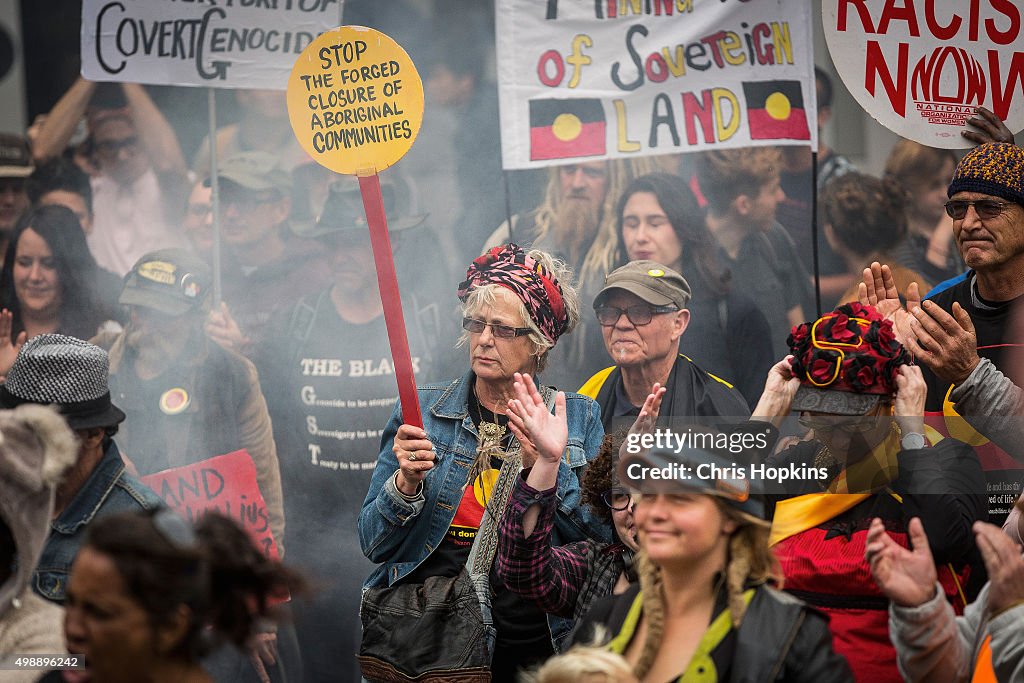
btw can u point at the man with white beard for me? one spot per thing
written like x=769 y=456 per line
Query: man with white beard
x=577 y=222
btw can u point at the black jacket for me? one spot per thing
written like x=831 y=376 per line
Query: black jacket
x=779 y=639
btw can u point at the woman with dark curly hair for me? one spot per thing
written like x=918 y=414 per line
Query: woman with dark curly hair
x=565 y=580
x=864 y=220
x=150 y=594
x=863 y=402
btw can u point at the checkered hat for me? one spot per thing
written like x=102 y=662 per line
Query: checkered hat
x=67 y=372
x=995 y=168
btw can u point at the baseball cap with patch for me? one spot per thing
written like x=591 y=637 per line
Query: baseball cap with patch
x=656 y=284
x=172 y=281
x=15 y=158
x=255 y=171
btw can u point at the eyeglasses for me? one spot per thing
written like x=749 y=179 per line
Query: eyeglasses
x=617 y=499
x=110 y=148
x=827 y=425
x=502 y=331
x=638 y=315
x=986 y=208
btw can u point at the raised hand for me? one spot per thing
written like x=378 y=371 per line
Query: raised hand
x=945 y=343
x=8 y=350
x=779 y=389
x=645 y=421
x=907 y=577
x=1004 y=565
x=878 y=289
x=532 y=422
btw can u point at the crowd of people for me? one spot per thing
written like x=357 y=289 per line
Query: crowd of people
x=508 y=535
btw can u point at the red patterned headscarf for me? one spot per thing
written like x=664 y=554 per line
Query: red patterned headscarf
x=512 y=268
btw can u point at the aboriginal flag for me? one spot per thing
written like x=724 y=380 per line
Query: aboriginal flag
x=775 y=110
x=563 y=129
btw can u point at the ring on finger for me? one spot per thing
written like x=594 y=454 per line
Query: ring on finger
x=412 y=457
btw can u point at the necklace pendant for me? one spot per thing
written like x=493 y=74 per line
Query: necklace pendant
x=491 y=435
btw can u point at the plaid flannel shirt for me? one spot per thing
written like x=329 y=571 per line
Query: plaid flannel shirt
x=563 y=580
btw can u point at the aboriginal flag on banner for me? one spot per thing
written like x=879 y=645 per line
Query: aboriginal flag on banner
x=775 y=110
x=564 y=129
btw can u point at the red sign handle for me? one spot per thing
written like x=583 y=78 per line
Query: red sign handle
x=387 y=280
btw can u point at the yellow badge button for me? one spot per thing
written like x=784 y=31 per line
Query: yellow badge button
x=656 y=272
x=174 y=401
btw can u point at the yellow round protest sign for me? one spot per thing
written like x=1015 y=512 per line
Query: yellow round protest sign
x=355 y=100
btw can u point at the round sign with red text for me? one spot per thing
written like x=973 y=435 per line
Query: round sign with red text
x=355 y=100
x=921 y=67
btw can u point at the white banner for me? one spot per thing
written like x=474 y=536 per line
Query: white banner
x=607 y=79
x=921 y=68
x=223 y=44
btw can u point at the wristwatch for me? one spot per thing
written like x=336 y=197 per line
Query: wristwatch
x=913 y=440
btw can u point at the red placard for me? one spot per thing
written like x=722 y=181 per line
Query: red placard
x=225 y=484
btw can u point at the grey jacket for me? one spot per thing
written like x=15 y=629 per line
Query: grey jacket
x=993 y=405
x=935 y=646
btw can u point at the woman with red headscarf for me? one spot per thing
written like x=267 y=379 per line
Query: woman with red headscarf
x=866 y=455
x=433 y=511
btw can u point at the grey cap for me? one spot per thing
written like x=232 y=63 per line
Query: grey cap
x=656 y=284
x=255 y=171
x=65 y=371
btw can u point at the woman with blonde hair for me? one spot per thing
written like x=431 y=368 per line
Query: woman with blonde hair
x=704 y=608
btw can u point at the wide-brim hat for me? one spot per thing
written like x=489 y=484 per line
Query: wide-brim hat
x=343 y=211
x=68 y=373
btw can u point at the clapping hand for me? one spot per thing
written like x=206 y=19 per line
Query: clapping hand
x=907 y=577
x=879 y=290
x=8 y=350
x=644 y=423
x=534 y=425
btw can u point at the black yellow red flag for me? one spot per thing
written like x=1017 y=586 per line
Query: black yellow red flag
x=566 y=128
x=775 y=111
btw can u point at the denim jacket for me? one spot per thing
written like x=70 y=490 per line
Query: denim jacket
x=108 y=489
x=399 y=535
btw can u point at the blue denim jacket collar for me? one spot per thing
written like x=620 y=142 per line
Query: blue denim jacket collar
x=454 y=402
x=94 y=491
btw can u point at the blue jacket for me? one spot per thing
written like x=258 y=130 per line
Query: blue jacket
x=399 y=535
x=109 y=489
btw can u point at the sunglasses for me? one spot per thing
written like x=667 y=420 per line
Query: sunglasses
x=617 y=499
x=986 y=208
x=827 y=425
x=501 y=331
x=638 y=315
x=112 y=147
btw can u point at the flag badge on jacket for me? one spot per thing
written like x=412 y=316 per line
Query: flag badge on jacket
x=564 y=129
x=775 y=110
